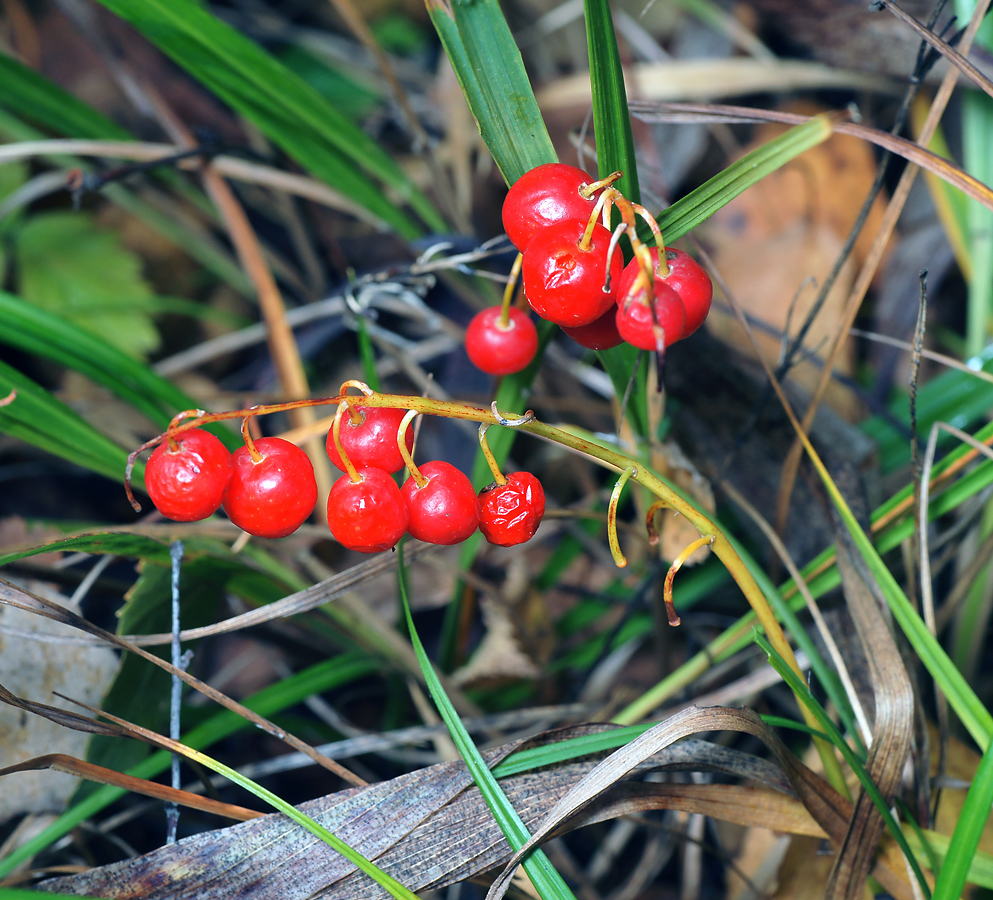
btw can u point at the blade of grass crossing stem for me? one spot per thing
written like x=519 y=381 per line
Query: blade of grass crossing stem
x=368 y=354
x=22 y=894
x=837 y=738
x=968 y=707
x=386 y=882
x=316 y=679
x=611 y=122
x=490 y=70
x=546 y=880
x=698 y=205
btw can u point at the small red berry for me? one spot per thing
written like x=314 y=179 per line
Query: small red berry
x=446 y=509
x=637 y=321
x=187 y=484
x=563 y=281
x=497 y=349
x=543 y=196
x=273 y=497
x=600 y=334
x=688 y=279
x=371 y=442
x=368 y=515
x=510 y=513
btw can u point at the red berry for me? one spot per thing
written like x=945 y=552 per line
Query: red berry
x=369 y=515
x=499 y=350
x=272 y=497
x=510 y=513
x=562 y=281
x=636 y=320
x=600 y=334
x=543 y=196
x=688 y=279
x=372 y=442
x=188 y=483
x=446 y=509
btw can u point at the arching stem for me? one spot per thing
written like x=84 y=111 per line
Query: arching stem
x=350 y=470
x=588 y=190
x=677 y=564
x=620 y=560
x=498 y=476
x=256 y=456
x=653 y=511
x=611 y=249
x=174 y=423
x=508 y=293
x=408 y=460
x=356 y=416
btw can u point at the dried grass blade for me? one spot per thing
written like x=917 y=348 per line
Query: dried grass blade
x=70 y=765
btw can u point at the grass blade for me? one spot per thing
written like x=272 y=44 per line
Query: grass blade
x=546 y=880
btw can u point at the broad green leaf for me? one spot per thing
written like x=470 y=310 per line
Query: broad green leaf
x=288 y=110
x=39 y=419
x=350 y=97
x=43 y=333
x=83 y=274
x=490 y=70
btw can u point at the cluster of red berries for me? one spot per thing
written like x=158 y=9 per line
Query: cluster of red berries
x=268 y=489
x=558 y=218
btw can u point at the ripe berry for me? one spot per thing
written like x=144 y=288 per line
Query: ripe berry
x=187 y=484
x=445 y=509
x=273 y=496
x=563 y=280
x=600 y=334
x=371 y=442
x=652 y=327
x=368 y=515
x=497 y=349
x=510 y=513
x=688 y=279
x=543 y=196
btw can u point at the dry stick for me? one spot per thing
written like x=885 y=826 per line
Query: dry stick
x=176 y=694
x=865 y=276
x=946 y=50
x=915 y=464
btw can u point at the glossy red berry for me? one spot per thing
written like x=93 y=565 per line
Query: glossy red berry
x=564 y=282
x=688 y=279
x=647 y=327
x=497 y=349
x=510 y=513
x=188 y=483
x=368 y=515
x=273 y=497
x=446 y=509
x=600 y=334
x=545 y=195
x=371 y=442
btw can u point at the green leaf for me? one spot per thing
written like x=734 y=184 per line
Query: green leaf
x=490 y=70
x=697 y=206
x=75 y=270
x=546 y=880
x=282 y=105
x=37 y=418
x=35 y=98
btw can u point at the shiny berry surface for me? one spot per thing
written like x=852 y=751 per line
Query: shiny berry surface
x=372 y=442
x=273 y=497
x=499 y=350
x=688 y=279
x=543 y=196
x=188 y=483
x=564 y=283
x=446 y=509
x=369 y=515
x=636 y=320
x=600 y=334
x=510 y=513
